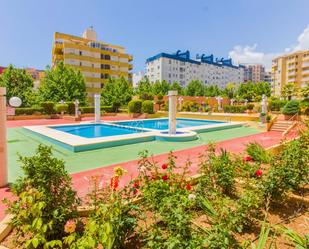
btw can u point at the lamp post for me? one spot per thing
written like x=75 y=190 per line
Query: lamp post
x=76 y=103
x=3 y=147
x=97 y=106
x=14 y=102
x=172 y=102
x=62 y=103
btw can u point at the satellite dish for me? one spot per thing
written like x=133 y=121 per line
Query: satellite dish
x=15 y=102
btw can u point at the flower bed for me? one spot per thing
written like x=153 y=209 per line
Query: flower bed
x=233 y=200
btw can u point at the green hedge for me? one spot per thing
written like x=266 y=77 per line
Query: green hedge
x=61 y=108
x=235 y=108
x=277 y=105
x=147 y=107
x=135 y=106
x=291 y=108
x=71 y=107
x=48 y=107
x=107 y=108
x=86 y=109
x=28 y=111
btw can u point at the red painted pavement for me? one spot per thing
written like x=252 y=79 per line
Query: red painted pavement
x=80 y=180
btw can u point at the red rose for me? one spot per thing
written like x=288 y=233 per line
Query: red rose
x=136 y=184
x=135 y=191
x=259 y=173
x=165 y=178
x=247 y=159
x=164 y=166
x=188 y=187
x=114 y=182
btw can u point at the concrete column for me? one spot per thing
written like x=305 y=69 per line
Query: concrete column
x=3 y=147
x=97 y=106
x=172 y=108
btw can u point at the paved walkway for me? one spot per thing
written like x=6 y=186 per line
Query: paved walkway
x=80 y=181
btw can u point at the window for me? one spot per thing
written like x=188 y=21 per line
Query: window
x=105 y=57
x=104 y=66
x=80 y=63
x=105 y=76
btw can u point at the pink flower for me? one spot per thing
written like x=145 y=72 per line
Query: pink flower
x=165 y=178
x=70 y=226
x=164 y=166
x=259 y=173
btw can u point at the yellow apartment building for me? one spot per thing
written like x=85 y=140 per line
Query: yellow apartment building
x=98 y=61
x=293 y=67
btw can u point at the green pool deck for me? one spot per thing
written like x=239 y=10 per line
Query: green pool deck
x=25 y=143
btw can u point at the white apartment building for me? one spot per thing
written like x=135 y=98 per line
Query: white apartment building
x=181 y=68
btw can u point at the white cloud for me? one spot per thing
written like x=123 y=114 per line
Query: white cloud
x=250 y=54
x=302 y=41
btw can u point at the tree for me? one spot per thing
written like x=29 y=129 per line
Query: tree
x=246 y=91
x=289 y=90
x=63 y=83
x=177 y=87
x=263 y=88
x=160 y=87
x=18 y=83
x=305 y=91
x=230 y=90
x=212 y=91
x=117 y=92
x=195 y=88
x=144 y=90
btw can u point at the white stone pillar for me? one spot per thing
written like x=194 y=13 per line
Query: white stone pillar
x=172 y=108
x=3 y=146
x=97 y=106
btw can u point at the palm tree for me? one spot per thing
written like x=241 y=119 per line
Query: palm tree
x=289 y=90
x=305 y=91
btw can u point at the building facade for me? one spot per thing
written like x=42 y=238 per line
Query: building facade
x=293 y=67
x=254 y=73
x=137 y=77
x=181 y=68
x=97 y=60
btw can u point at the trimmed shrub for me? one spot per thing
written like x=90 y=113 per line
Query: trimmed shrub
x=28 y=111
x=87 y=109
x=276 y=105
x=48 y=107
x=71 y=107
x=291 y=108
x=250 y=107
x=135 y=106
x=235 y=108
x=191 y=106
x=61 y=108
x=107 y=108
x=147 y=107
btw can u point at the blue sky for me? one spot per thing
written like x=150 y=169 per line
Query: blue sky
x=247 y=30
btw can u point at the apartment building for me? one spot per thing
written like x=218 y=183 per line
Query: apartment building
x=98 y=61
x=181 y=68
x=254 y=73
x=292 y=67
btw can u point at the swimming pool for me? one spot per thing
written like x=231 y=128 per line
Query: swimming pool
x=162 y=123
x=95 y=130
x=89 y=136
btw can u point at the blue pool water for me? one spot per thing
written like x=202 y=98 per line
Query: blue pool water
x=162 y=124
x=94 y=130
